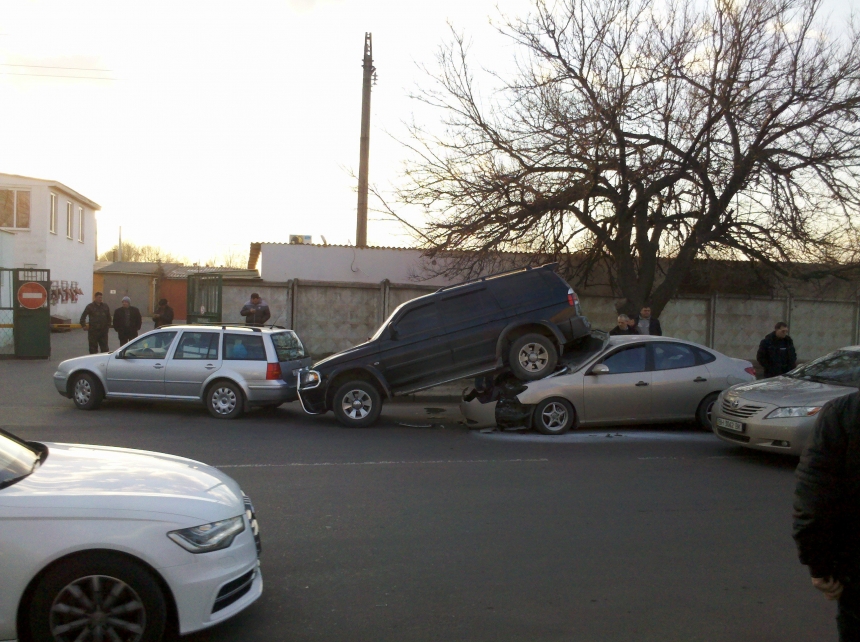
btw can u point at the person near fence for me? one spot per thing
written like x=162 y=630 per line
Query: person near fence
x=255 y=311
x=624 y=327
x=776 y=353
x=646 y=324
x=96 y=320
x=126 y=321
x=163 y=314
x=827 y=510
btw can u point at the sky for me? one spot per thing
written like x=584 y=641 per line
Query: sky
x=210 y=125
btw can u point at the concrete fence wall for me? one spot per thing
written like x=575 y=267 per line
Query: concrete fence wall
x=333 y=316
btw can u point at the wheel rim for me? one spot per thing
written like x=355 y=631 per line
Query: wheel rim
x=708 y=410
x=554 y=416
x=83 y=391
x=356 y=404
x=224 y=401
x=97 y=607
x=533 y=357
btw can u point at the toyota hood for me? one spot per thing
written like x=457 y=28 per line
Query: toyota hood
x=788 y=391
x=75 y=476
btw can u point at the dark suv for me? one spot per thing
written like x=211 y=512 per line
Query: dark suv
x=521 y=319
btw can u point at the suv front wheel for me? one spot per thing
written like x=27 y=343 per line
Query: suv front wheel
x=357 y=404
x=532 y=356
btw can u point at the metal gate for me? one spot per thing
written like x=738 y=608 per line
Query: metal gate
x=204 y=298
x=24 y=298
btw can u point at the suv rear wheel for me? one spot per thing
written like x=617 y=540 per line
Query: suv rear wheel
x=357 y=404
x=532 y=356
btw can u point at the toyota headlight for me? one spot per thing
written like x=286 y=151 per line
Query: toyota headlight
x=794 y=411
x=209 y=537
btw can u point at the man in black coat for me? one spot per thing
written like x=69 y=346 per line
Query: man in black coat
x=255 y=311
x=624 y=328
x=827 y=510
x=776 y=352
x=96 y=321
x=646 y=324
x=126 y=321
x=163 y=314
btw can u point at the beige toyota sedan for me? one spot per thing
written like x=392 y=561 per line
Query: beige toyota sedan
x=612 y=381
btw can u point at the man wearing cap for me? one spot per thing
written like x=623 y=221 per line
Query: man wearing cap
x=96 y=321
x=126 y=321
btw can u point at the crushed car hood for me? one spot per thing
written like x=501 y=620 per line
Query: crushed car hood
x=788 y=391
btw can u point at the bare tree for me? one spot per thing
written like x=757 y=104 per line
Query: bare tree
x=232 y=259
x=634 y=138
x=140 y=254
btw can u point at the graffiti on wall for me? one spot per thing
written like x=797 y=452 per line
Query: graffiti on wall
x=65 y=292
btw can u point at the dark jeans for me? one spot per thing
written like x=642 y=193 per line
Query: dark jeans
x=848 y=616
x=98 y=340
x=125 y=338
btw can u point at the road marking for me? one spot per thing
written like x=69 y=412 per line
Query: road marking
x=385 y=463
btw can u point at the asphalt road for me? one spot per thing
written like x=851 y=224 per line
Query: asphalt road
x=429 y=531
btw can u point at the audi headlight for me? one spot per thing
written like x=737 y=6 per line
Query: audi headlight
x=794 y=411
x=209 y=537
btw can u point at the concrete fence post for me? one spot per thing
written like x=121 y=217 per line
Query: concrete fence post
x=712 y=321
x=294 y=304
x=788 y=310
x=856 y=321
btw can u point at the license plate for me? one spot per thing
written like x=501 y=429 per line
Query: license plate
x=731 y=425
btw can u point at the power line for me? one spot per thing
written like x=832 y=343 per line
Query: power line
x=8 y=73
x=5 y=64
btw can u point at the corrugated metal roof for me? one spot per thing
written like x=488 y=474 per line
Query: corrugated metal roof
x=183 y=271
x=132 y=267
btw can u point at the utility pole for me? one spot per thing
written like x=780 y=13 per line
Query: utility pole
x=118 y=256
x=369 y=78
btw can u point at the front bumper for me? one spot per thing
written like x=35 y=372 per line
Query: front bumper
x=785 y=436
x=61 y=382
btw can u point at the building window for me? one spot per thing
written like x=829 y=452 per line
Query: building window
x=52 y=222
x=70 y=217
x=81 y=224
x=15 y=208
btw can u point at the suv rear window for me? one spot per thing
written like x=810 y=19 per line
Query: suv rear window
x=287 y=346
x=244 y=347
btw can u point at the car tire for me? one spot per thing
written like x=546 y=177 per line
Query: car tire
x=101 y=590
x=357 y=404
x=87 y=391
x=224 y=400
x=553 y=416
x=532 y=356
x=703 y=414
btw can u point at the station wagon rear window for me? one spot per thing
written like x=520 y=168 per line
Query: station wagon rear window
x=244 y=347
x=287 y=346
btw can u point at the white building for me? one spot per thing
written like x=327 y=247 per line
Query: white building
x=54 y=228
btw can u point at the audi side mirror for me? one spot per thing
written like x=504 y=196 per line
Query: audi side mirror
x=599 y=369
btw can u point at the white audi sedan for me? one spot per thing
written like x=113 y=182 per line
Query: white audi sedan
x=103 y=543
x=612 y=381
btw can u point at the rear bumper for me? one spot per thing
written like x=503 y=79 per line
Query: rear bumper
x=271 y=392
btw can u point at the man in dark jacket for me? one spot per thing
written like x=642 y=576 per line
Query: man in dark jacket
x=827 y=510
x=96 y=321
x=163 y=314
x=255 y=311
x=624 y=327
x=776 y=352
x=646 y=324
x=126 y=321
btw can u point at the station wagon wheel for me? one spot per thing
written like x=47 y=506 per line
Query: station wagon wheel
x=224 y=400
x=97 y=597
x=703 y=414
x=553 y=416
x=532 y=356
x=357 y=404
x=87 y=391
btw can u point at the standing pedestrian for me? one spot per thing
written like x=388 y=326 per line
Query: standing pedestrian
x=646 y=324
x=623 y=328
x=827 y=510
x=163 y=314
x=126 y=321
x=776 y=352
x=96 y=321
x=255 y=311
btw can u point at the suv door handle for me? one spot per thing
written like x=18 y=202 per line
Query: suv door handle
x=699 y=380
x=209 y=366
x=158 y=366
x=642 y=383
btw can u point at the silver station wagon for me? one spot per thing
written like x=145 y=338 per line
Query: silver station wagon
x=229 y=368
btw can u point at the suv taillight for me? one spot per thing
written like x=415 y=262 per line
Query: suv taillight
x=273 y=371
x=571 y=296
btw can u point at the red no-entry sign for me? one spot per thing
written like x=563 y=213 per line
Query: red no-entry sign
x=32 y=295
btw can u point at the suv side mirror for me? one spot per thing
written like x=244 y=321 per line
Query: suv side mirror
x=599 y=369
x=392 y=333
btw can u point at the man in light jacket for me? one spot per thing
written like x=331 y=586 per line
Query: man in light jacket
x=255 y=311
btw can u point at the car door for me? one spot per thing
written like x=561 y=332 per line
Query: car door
x=138 y=368
x=679 y=381
x=193 y=361
x=473 y=322
x=622 y=395
x=414 y=352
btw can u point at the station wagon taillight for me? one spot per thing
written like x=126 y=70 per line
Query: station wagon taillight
x=273 y=371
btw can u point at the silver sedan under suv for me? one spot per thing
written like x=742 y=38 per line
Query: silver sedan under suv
x=229 y=368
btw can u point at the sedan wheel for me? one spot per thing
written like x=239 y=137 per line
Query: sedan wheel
x=704 y=413
x=553 y=416
x=357 y=404
x=224 y=400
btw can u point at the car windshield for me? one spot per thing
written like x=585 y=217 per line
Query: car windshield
x=578 y=356
x=841 y=368
x=288 y=346
x=17 y=460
